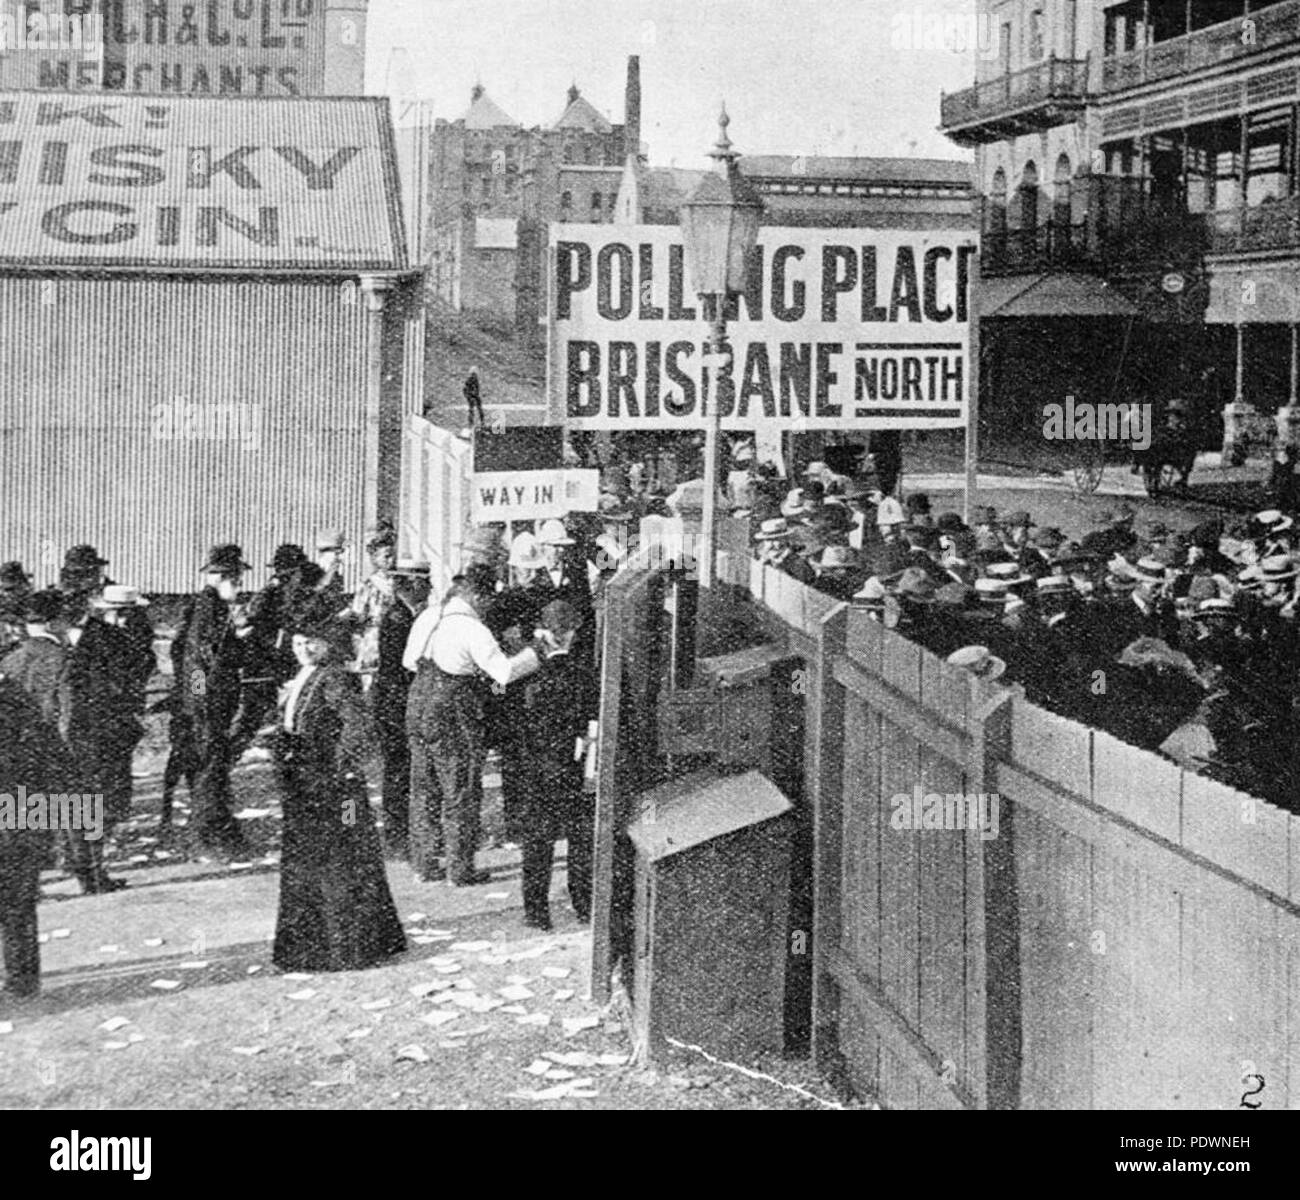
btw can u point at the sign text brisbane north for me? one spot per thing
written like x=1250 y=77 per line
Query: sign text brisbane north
x=838 y=329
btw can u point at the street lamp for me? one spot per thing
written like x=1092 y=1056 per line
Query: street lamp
x=719 y=229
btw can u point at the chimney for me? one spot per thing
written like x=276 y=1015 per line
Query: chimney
x=573 y=92
x=476 y=92
x=632 y=108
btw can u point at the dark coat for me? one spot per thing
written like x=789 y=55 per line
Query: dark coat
x=336 y=912
x=208 y=658
x=557 y=707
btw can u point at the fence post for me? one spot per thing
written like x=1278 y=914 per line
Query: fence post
x=989 y=1024
x=602 y=890
x=826 y=795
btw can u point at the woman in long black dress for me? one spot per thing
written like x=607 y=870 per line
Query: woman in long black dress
x=336 y=912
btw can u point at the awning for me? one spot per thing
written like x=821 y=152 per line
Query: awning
x=133 y=181
x=1254 y=294
x=1053 y=295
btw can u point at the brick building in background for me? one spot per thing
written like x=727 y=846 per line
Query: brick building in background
x=494 y=184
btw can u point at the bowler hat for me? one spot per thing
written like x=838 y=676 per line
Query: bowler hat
x=12 y=575
x=84 y=558
x=228 y=559
x=949 y=522
x=1206 y=535
x=287 y=558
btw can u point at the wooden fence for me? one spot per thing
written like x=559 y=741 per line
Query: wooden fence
x=1129 y=938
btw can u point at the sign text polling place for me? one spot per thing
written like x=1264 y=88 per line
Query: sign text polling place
x=837 y=329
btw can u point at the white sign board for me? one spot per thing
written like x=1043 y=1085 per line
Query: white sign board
x=532 y=495
x=839 y=329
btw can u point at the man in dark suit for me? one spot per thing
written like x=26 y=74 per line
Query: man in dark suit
x=15 y=588
x=208 y=653
x=558 y=708
x=380 y=617
x=32 y=757
x=72 y=693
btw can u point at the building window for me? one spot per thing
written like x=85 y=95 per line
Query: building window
x=613 y=204
x=595 y=207
x=1061 y=193
x=566 y=206
x=1028 y=198
x=485 y=187
x=1036 y=35
x=998 y=204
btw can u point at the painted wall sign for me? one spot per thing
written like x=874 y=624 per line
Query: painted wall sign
x=839 y=329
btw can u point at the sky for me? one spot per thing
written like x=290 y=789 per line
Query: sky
x=797 y=76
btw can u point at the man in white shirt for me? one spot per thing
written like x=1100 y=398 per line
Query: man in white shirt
x=454 y=656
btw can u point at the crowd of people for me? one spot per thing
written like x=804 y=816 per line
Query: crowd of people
x=424 y=684
x=1184 y=642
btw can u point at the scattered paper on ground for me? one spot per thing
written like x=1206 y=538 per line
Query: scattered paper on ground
x=412 y=1053
x=494 y=960
x=470 y=947
x=515 y=1010
x=193 y=966
x=424 y=989
x=557 y=972
x=108 y=949
x=566 y=994
x=166 y=985
x=253 y=970
x=448 y=968
x=578 y=1088
x=57 y=934
x=6 y=1027
x=516 y=991
x=117 y=1045
x=376 y=1005
x=576 y=1025
x=496 y=896
x=304 y=994
x=153 y=941
x=534 y=1019
x=247 y=1051
x=113 y=1024
x=440 y=1016
x=357 y=1034
x=297 y=977
x=539 y=1066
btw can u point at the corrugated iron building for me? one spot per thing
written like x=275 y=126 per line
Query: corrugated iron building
x=203 y=315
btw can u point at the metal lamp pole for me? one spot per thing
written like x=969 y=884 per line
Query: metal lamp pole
x=719 y=230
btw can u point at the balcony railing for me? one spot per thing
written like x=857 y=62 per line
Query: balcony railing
x=1276 y=25
x=1049 y=93
x=1128 y=229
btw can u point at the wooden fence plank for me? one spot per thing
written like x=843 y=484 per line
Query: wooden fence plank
x=1052 y=747
x=1245 y=835
x=1136 y=784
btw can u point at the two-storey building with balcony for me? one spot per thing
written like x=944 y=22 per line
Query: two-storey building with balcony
x=1137 y=164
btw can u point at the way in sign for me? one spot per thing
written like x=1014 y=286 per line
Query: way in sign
x=513 y=496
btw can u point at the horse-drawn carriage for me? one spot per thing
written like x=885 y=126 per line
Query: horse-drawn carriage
x=1165 y=464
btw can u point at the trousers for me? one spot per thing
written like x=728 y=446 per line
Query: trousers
x=388 y=700
x=20 y=867
x=557 y=808
x=424 y=823
x=212 y=823
x=455 y=736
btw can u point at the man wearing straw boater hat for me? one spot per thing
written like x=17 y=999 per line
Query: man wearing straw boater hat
x=208 y=654
x=775 y=550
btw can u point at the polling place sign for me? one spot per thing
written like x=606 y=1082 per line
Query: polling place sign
x=838 y=329
x=519 y=475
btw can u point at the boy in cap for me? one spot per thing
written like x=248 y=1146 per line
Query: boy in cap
x=331 y=547
x=557 y=710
